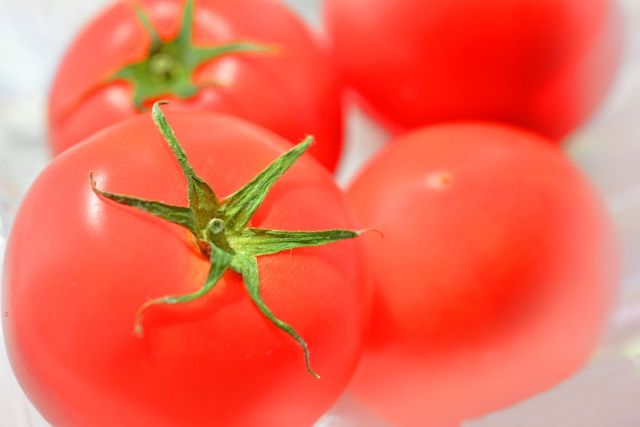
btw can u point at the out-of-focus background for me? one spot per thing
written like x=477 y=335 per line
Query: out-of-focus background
x=34 y=35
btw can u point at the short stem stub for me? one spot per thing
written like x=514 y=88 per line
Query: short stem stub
x=216 y=226
x=162 y=65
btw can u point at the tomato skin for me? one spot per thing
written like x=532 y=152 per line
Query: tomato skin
x=541 y=64
x=78 y=267
x=293 y=92
x=494 y=277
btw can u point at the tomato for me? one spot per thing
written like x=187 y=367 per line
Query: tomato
x=540 y=64
x=262 y=64
x=494 y=276
x=82 y=269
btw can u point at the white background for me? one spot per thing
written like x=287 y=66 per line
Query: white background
x=33 y=35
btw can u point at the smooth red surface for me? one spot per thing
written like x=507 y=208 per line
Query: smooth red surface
x=541 y=64
x=294 y=92
x=78 y=267
x=494 y=277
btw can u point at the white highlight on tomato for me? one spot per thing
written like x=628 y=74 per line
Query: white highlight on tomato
x=439 y=181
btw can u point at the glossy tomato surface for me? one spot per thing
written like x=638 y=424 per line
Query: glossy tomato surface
x=293 y=90
x=540 y=64
x=78 y=267
x=493 y=278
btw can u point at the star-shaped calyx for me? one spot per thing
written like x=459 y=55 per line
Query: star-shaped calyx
x=220 y=227
x=168 y=65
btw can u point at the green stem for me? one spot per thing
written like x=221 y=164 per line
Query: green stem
x=220 y=228
x=168 y=66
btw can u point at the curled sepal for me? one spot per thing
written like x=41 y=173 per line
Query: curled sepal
x=239 y=207
x=256 y=241
x=146 y=24
x=220 y=262
x=186 y=25
x=247 y=266
x=202 y=199
x=202 y=54
x=176 y=214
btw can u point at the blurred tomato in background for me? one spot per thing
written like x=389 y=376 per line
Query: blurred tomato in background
x=541 y=64
x=495 y=275
x=279 y=75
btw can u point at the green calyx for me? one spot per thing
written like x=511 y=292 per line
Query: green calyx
x=168 y=66
x=220 y=227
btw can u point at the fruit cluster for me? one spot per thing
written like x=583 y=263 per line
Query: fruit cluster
x=181 y=263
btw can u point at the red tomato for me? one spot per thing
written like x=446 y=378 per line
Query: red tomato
x=79 y=267
x=540 y=64
x=494 y=276
x=292 y=90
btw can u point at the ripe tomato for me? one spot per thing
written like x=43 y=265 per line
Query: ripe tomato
x=494 y=276
x=289 y=86
x=79 y=267
x=540 y=64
